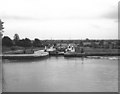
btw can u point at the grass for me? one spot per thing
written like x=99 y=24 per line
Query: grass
x=86 y=50
x=19 y=49
x=101 y=50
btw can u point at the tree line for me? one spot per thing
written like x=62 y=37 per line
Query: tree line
x=8 y=42
x=26 y=42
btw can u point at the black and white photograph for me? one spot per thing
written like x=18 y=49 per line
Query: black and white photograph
x=59 y=45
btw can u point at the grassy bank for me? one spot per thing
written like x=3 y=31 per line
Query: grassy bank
x=100 y=51
x=86 y=50
x=19 y=49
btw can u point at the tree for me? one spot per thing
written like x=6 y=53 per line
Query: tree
x=101 y=44
x=21 y=43
x=81 y=43
x=1 y=25
x=24 y=43
x=1 y=34
x=27 y=42
x=1 y=28
x=6 y=41
x=87 y=39
x=16 y=39
x=36 y=42
x=93 y=44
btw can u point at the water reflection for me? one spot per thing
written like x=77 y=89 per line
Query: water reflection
x=62 y=74
x=24 y=60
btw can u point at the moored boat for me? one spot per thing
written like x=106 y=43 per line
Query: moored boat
x=71 y=52
x=61 y=53
x=36 y=54
x=74 y=54
x=52 y=51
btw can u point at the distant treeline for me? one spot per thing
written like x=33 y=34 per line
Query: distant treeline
x=8 y=42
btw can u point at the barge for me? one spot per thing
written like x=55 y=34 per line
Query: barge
x=37 y=54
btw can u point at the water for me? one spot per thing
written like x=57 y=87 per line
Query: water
x=60 y=74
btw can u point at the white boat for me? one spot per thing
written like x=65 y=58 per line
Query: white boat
x=51 y=49
x=71 y=52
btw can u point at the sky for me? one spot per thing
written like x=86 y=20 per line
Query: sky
x=60 y=19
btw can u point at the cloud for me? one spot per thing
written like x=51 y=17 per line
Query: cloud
x=40 y=19
x=18 y=17
x=95 y=26
x=111 y=14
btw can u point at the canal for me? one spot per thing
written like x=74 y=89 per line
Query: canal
x=60 y=74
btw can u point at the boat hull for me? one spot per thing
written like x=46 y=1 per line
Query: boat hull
x=22 y=57
x=36 y=55
x=74 y=54
x=89 y=54
x=53 y=53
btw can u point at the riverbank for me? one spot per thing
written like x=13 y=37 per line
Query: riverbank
x=21 y=53
x=87 y=50
x=93 y=52
x=20 y=50
x=101 y=51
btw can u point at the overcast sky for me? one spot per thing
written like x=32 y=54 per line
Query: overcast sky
x=60 y=19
